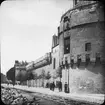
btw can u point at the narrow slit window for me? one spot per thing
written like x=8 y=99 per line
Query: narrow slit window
x=67 y=45
x=54 y=62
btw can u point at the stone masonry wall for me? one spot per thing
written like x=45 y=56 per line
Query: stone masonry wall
x=86 y=25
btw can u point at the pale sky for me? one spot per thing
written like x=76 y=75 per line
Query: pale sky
x=26 y=28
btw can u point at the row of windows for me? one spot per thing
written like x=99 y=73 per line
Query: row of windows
x=79 y=60
x=67 y=50
x=98 y=61
x=67 y=46
x=87 y=60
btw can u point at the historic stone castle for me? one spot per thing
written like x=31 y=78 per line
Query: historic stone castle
x=77 y=53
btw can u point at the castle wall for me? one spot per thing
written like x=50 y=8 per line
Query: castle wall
x=85 y=26
x=38 y=71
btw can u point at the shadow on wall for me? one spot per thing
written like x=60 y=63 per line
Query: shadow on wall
x=97 y=68
x=92 y=67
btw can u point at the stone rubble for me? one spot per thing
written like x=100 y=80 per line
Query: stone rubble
x=14 y=97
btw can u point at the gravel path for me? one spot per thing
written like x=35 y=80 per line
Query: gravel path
x=49 y=99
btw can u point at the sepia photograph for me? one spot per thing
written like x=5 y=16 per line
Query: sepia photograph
x=52 y=52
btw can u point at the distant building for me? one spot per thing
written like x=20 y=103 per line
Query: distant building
x=20 y=71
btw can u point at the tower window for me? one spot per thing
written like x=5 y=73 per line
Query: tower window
x=66 y=18
x=88 y=47
x=54 y=62
x=67 y=45
x=75 y=2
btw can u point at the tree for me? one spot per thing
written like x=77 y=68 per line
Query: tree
x=43 y=77
x=48 y=75
x=11 y=75
x=43 y=74
x=36 y=77
x=30 y=76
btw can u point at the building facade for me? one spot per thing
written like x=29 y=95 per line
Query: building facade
x=81 y=47
x=55 y=58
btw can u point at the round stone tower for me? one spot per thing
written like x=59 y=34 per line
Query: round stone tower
x=82 y=46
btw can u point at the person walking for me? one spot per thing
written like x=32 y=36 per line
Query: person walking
x=50 y=86
x=66 y=88
x=53 y=86
x=47 y=85
x=60 y=86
